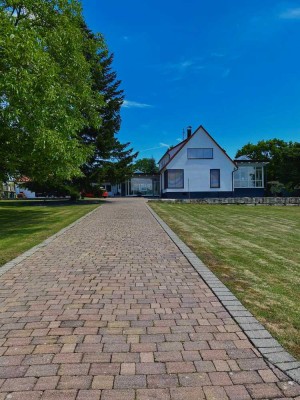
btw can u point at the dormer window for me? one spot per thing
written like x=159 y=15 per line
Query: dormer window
x=200 y=153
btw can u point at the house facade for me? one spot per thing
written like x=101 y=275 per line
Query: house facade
x=198 y=167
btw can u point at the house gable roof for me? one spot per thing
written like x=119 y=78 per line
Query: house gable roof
x=184 y=142
x=172 y=148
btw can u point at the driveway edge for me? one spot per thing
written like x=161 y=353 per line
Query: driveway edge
x=12 y=263
x=269 y=347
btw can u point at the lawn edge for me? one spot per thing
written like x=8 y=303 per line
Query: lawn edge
x=15 y=261
x=260 y=337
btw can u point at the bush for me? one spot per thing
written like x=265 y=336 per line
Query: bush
x=74 y=194
x=276 y=188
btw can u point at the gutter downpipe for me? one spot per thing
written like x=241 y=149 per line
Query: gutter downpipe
x=233 y=178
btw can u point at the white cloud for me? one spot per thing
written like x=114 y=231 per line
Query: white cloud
x=179 y=70
x=151 y=148
x=135 y=104
x=291 y=13
x=185 y=64
x=181 y=66
x=216 y=54
x=226 y=72
x=161 y=145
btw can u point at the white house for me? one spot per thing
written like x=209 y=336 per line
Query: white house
x=198 y=167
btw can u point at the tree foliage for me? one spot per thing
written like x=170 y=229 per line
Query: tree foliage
x=147 y=166
x=283 y=158
x=46 y=89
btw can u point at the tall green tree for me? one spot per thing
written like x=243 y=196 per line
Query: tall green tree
x=111 y=160
x=46 y=89
x=283 y=158
x=146 y=165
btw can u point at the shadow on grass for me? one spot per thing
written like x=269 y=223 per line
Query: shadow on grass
x=24 y=218
x=22 y=222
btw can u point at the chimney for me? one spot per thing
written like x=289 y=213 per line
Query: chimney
x=189 y=131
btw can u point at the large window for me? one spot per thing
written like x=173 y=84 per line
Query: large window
x=143 y=186
x=214 y=178
x=174 y=179
x=200 y=153
x=248 y=177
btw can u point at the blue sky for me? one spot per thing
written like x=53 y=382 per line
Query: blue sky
x=230 y=65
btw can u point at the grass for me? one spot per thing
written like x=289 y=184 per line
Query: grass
x=255 y=251
x=23 y=224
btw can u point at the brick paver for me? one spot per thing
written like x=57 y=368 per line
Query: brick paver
x=111 y=309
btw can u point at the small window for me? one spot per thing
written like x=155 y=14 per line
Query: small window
x=174 y=179
x=214 y=178
x=203 y=153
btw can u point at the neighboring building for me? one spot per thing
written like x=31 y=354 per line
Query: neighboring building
x=198 y=167
x=16 y=188
x=7 y=190
x=22 y=190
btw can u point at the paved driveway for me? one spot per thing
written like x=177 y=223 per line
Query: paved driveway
x=111 y=309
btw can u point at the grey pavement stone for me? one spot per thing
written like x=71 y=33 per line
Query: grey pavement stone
x=294 y=374
x=246 y=320
x=226 y=297
x=232 y=303
x=251 y=326
x=285 y=366
x=265 y=342
x=267 y=350
x=280 y=357
x=240 y=313
x=259 y=334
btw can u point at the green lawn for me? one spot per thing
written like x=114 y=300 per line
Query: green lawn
x=23 y=224
x=255 y=251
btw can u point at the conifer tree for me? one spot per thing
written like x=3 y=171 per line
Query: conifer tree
x=111 y=160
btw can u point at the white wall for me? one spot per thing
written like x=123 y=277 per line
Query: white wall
x=197 y=171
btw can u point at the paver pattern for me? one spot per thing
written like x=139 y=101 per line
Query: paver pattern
x=112 y=310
